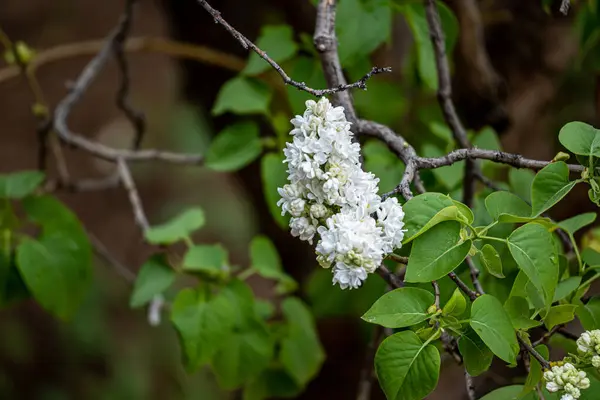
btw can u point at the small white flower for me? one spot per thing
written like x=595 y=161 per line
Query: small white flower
x=318 y=211
x=302 y=228
x=348 y=277
x=552 y=387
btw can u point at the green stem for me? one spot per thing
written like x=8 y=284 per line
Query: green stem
x=493 y=238
x=245 y=274
x=589 y=281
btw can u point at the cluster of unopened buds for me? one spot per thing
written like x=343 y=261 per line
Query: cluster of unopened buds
x=330 y=197
x=566 y=378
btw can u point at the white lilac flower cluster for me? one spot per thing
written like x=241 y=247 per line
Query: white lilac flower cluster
x=568 y=379
x=588 y=346
x=331 y=197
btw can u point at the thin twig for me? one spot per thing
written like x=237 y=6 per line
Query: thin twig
x=470 y=386
x=399 y=259
x=436 y=292
x=366 y=373
x=103 y=252
x=463 y=287
x=564 y=6
x=391 y=278
x=100 y=150
x=451 y=347
x=543 y=362
x=248 y=44
x=134 y=197
x=474 y=275
x=137 y=119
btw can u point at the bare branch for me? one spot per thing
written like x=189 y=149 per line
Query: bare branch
x=97 y=149
x=391 y=278
x=247 y=44
x=463 y=287
x=470 y=386
x=564 y=6
x=137 y=119
x=399 y=259
x=134 y=198
x=474 y=275
x=543 y=362
x=366 y=373
x=436 y=292
x=103 y=252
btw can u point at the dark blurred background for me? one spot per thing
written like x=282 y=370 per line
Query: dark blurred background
x=529 y=80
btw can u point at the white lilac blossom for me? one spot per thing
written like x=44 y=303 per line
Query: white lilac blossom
x=329 y=195
x=568 y=379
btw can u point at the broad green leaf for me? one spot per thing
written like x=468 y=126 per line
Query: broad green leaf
x=57 y=266
x=436 y=253
x=491 y=260
x=577 y=222
x=178 y=228
x=476 y=355
x=512 y=392
x=264 y=257
x=499 y=203
x=367 y=25
x=520 y=182
x=273 y=175
x=265 y=260
x=301 y=352
x=422 y=211
x=559 y=315
x=242 y=301
x=234 y=147
x=580 y=138
x=242 y=356
x=406 y=368
x=517 y=309
x=549 y=186
x=243 y=96
x=203 y=323
x=519 y=287
x=308 y=70
x=278 y=42
x=209 y=259
x=589 y=314
x=535 y=369
x=155 y=276
x=400 y=308
x=456 y=305
x=450 y=176
x=20 y=184
x=566 y=287
x=494 y=327
x=533 y=249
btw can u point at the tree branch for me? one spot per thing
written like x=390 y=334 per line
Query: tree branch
x=247 y=44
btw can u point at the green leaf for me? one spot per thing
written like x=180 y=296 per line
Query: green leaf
x=242 y=357
x=591 y=257
x=494 y=327
x=501 y=203
x=209 y=259
x=427 y=210
x=535 y=369
x=243 y=96
x=278 y=42
x=533 y=249
x=436 y=253
x=477 y=357
x=57 y=266
x=491 y=260
x=549 y=186
x=203 y=324
x=308 y=70
x=456 y=305
x=274 y=382
x=400 y=308
x=301 y=352
x=273 y=174
x=155 y=276
x=589 y=314
x=520 y=181
x=566 y=287
x=367 y=25
x=512 y=392
x=517 y=309
x=407 y=369
x=559 y=315
x=20 y=184
x=465 y=213
x=265 y=260
x=580 y=138
x=577 y=222
x=234 y=147
x=178 y=228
